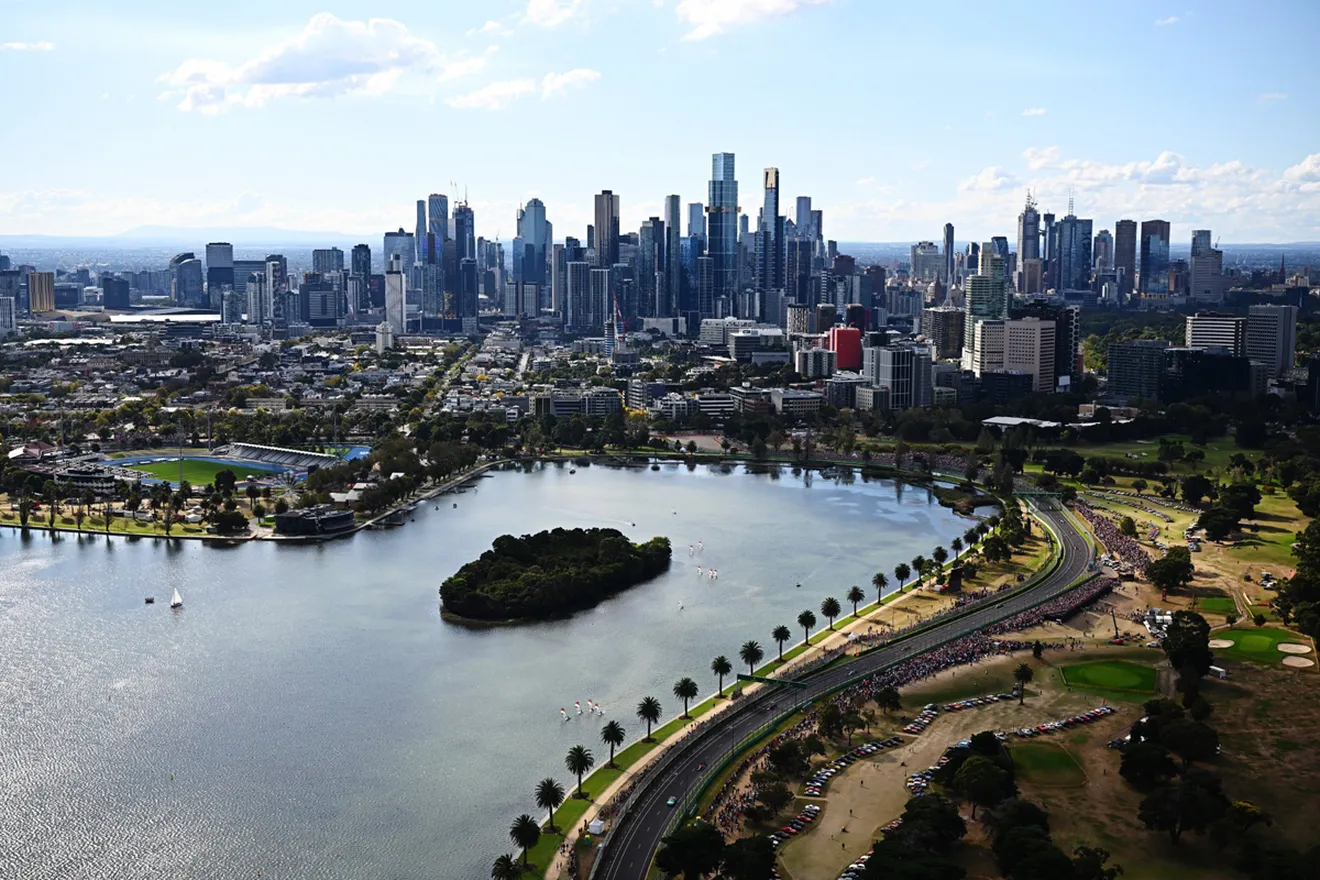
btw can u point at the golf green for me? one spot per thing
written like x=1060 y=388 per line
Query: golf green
x=1259 y=644
x=1046 y=763
x=1112 y=675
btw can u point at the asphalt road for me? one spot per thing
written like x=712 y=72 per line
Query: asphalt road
x=637 y=834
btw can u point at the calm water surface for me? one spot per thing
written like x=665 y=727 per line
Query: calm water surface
x=308 y=714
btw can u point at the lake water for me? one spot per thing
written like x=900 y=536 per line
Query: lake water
x=308 y=715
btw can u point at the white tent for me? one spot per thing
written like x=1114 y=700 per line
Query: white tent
x=596 y=827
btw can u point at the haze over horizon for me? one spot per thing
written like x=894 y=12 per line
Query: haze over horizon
x=303 y=119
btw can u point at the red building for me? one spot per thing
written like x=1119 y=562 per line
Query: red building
x=846 y=343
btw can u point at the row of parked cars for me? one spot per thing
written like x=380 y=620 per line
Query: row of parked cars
x=1064 y=723
x=973 y=702
x=796 y=824
x=816 y=784
x=854 y=871
x=923 y=719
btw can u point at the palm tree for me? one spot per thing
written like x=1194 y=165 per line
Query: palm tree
x=549 y=795
x=781 y=634
x=806 y=620
x=751 y=654
x=525 y=833
x=721 y=667
x=505 y=868
x=830 y=608
x=940 y=555
x=971 y=536
x=902 y=572
x=1023 y=676
x=612 y=735
x=855 y=595
x=918 y=566
x=880 y=581
x=957 y=545
x=685 y=689
x=578 y=761
x=649 y=711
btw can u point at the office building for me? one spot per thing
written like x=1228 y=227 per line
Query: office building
x=722 y=228
x=950 y=258
x=1272 y=337
x=419 y=239
x=186 y=287
x=815 y=363
x=467 y=299
x=115 y=293
x=8 y=316
x=697 y=221
x=846 y=343
x=1135 y=369
x=607 y=229
x=1125 y=256
x=257 y=299
x=1028 y=240
x=1102 y=252
x=531 y=246
x=465 y=235
x=402 y=246
x=770 y=237
x=327 y=260
x=673 y=266
x=1074 y=237
x=219 y=267
x=1029 y=347
x=1193 y=372
x=395 y=286
x=1205 y=270
x=1153 y=268
x=926 y=262
x=1215 y=330
x=903 y=371
x=943 y=326
x=437 y=221
x=360 y=261
x=984 y=300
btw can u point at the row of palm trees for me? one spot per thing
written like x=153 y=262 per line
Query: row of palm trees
x=579 y=761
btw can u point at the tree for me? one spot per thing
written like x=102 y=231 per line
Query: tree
x=612 y=735
x=549 y=795
x=1090 y=863
x=505 y=868
x=525 y=833
x=579 y=760
x=957 y=545
x=888 y=700
x=1138 y=486
x=781 y=634
x=830 y=608
x=1195 y=489
x=855 y=596
x=751 y=654
x=1219 y=522
x=981 y=781
x=902 y=572
x=995 y=549
x=1037 y=649
x=749 y=858
x=806 y=620
x=1187 y=643
x=692 y=851
x=685 y=689
x=940 y=555
x=1172 y=572
x=1023 y=676
x=1190 y=740
x=918 y=567
x=1046 y=862
x=1127 y=526
x=721 y=667
x=830 y=721
x=649 y=711
x=1193 y=804
x=1146 y=765
x=880 y=581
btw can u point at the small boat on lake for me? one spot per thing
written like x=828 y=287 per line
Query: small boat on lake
x=176 y=601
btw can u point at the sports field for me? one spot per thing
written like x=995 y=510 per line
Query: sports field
x=1259 y=645
x=1111 y=675
x=1046 y=763
x=198 y=472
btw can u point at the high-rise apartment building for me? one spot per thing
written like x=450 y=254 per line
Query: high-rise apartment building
x=673 y=257
x=1074 y=269
x=1125 y=256
x=401 y=245
x=395 y=286
x=950 y=274
x=219 y=266
x=437 y=221
x=697 y=221
x=327 y=260
x=1028 y=243
x=1272 y=337
x=8 y=316
x=465 y=235
x=419 y=238
x=1153 y=269
x=1135 y=369
x=1215 y=330
x=1205 y=270
x=770 y=237
x=1102 y=251
x=943 y=326
x=577 y=297
x=722 y=227
x=531 y=246
x=360 y=260
x=186 y=287
x=607 y=229
x=926 y=261
x=904 y=371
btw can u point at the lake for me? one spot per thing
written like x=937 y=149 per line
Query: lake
x=307 y=714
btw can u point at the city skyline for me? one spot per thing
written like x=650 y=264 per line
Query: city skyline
x=247 y=94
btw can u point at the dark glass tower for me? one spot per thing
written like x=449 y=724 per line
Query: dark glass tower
x=722 y=229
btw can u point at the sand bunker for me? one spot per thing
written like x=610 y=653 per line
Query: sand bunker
x=1294 y=648
x=1298 y=662
x=1221 y=643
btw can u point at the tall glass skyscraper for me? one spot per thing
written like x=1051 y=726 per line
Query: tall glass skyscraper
x=1074 y=269
x=438 y=222
x=1153 y=272
x=532 y=245
x=770 y=237
x=722 y=227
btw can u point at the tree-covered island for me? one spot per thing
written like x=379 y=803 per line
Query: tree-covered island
x=551 y=574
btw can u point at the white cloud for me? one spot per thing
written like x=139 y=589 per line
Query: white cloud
x=498 y=95
x=707 y=18
x=41 y=46
x=1271 y=97
x=551 y=13
x=1040 y=158
x=556 y=84
x=329 y=57
x=992 y=178
x=491 y=28
x=457 y=68
x=494 y=96
x=1034 y=111
x=1165 y=22
x=865 y=181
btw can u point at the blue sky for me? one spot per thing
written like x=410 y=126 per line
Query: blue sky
x=895 y=117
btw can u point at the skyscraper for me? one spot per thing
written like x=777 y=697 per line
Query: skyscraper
x=1125 y=255
x=438 y=222
x=1153 y=271
x=577 y=307
x=803 y=218
x=395 y=304
x=926 y=261
x=1102 y=251
x=607 y=229
x=360 y=261
x=465 y=235
x=1272 y=337
x=41 y=292
x=219 y=267
x=532 y=244
x=186 y=281
x=1205 y=271
x=1074 y=237
x=327 y=260
x=950 y=275
x=419 y=240
x=673 y=257
x=722 y=226
x=770 y=237
x=399 y=244
x=697 y=221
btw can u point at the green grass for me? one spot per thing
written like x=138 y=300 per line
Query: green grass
x=1218 y=605
x=569 y=816
x=1111 y=675
x=1257 y=644
x=1046 y=763
x=199 y=473
x=1217 y=451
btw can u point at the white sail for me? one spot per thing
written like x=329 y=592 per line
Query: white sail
x=176 y=601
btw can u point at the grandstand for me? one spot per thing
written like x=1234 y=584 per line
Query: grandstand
x=287 y=459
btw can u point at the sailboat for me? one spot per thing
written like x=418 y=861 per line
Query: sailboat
x=176 y=601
